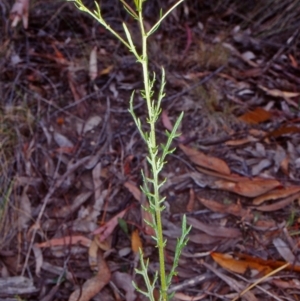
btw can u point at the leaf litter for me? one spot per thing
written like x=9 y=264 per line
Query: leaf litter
x=72 y=156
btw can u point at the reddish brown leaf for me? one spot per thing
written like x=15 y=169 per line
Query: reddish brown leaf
x=250 y=187
x=276 y=194
x=205 y=161
x=239 y=266
x=283 y=130
x=285 y=165
x=294 y=62
x=234 y=209
x=191 y=203
x=256 y=116
x=270 y=263
x=241 y=141
x=278 y=205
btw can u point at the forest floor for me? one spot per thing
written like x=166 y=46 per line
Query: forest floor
x=71 y=156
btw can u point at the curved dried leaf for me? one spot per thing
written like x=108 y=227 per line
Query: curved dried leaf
x=205 y=161
x=248 y=187
x=93 y=285
x=278 y=205
x=276 y=194
x=238 y=266
x=234 y=209
x=279 y=93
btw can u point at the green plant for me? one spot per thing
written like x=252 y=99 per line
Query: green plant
x=156 y=155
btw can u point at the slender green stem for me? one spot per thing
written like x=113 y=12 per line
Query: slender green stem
x=152 y=147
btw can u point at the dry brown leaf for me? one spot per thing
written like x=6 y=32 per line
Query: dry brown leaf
x=93 y=254
x=135 y=191
x=234 y=209
x=294 y=62
x=241 y=141
x=213 y=230
x=276 y=194
x=238 y=266
x=205 y=161
x=284 y=166
x=256 y=116
x=278 y=205
x=279 y=93
x=105 y=230
x=106 y=70
x=283 y=130
x=231 y=177
x=95 y=284
x=65 y=241
x=136 y=242
x=191 y=202
x=286 y=284
x=248 y=187
x=270 y=263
